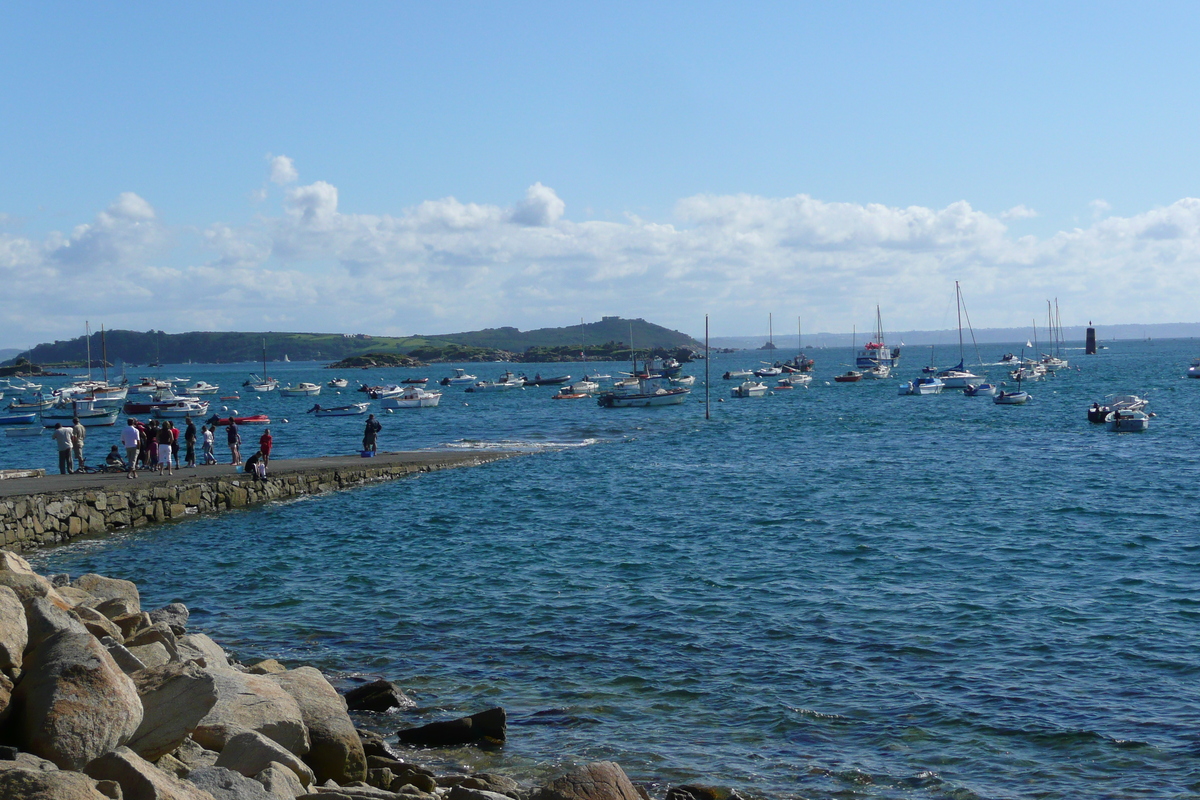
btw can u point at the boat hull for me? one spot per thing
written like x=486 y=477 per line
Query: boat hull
x=665 y=398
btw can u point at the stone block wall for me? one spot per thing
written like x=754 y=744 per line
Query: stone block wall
x=36 y=520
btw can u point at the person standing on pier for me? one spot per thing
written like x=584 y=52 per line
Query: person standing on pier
x=234 y=440
x=63 y=438
x=131 y=438
x=165 y=440
x=264 y=445
x=371 y=434
x=189 y=438
x=78 y=434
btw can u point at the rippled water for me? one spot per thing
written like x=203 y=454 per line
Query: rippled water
x=827 y=593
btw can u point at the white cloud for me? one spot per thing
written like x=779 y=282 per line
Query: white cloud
x=1019 y=212
x=283 y=170
x=541 y=206
x=1099 y=208
x=445 y=265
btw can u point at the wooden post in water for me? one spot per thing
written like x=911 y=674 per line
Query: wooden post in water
x=707 y=358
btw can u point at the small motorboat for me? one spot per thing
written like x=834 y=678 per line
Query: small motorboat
x=980 y=390
x=568 y=393
x=683 y=380
x=770 y=371
x=795 y=379
x=23 y=418
x=261 y=385
x=538 y=380
x=506 y=381
x=642 y=391
x=922 y=386
x=583 y=387
x=749 y=388
x=300 y=390
x=199 y=388
x=415 y=381
x=181 y=409
x=35 y=403
x=352 y=410
x=1194 y=369
x=851 y=376
x=1003 y=398
x=784 y=385
x=737 y=374
x=383 y=392
x=459 y=378
x=253 y=419
x=1099 y=412
x=878 y=372
x=1127 y=421
x=338 y=383
x=413 y=397
x=24 y=430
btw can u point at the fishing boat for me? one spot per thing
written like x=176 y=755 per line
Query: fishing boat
x=35 y=403
x=252 y=419
x=876 y=353
x=505 y=382
x=338 y=383
x=643 y=390
x=1127 y=421
x=769 y=371
x=181 y=409
x=300 y=390
x=923 y=385
x=413 y=397
x=88 y=415
x=352 y=410
x=146 y=405
x=199 y=388
x=749 y=388
x=459 y=378
x=851 y=376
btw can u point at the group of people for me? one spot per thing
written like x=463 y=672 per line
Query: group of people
x=70 y=439
x=155 y=445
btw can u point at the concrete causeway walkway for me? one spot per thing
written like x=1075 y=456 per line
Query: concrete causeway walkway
x=430 y=460
x=51 y=509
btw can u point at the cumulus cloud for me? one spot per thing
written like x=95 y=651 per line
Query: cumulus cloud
x=283 y=170
x=1099 y=208
x=444 y=265
x=540 y=207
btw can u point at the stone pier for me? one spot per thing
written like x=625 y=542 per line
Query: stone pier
x=52 y=509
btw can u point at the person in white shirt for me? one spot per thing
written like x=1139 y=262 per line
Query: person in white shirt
x=78 y=434
x=131 y=439
x=209 y=456
x=63 y=437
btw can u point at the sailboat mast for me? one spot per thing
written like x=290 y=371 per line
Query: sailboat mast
x=771 y=331
x=88 y=331
x=104 y=353
x=264 y=341
x=958 y=302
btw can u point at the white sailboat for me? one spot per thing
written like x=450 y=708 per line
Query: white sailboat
x=265 y=383
x=958 y=376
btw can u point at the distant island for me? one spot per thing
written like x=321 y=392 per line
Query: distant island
x=605 y=340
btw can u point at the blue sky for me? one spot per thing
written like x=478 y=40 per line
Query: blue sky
x=441 y=167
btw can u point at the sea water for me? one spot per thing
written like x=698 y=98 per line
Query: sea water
x=832 y=592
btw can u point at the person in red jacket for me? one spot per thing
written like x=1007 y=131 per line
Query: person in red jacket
x=264 y=444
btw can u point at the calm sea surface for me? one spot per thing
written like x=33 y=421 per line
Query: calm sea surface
x=825 y=593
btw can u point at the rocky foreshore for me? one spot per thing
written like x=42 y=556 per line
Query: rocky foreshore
x=102 y=700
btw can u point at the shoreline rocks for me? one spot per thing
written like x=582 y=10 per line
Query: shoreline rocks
x=100 y=699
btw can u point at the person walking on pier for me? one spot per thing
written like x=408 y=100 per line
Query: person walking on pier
x=165 y=440
x=63 y=438
x=78 y=434
x=208 y=434
x=371 y=434
x=131 y=439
